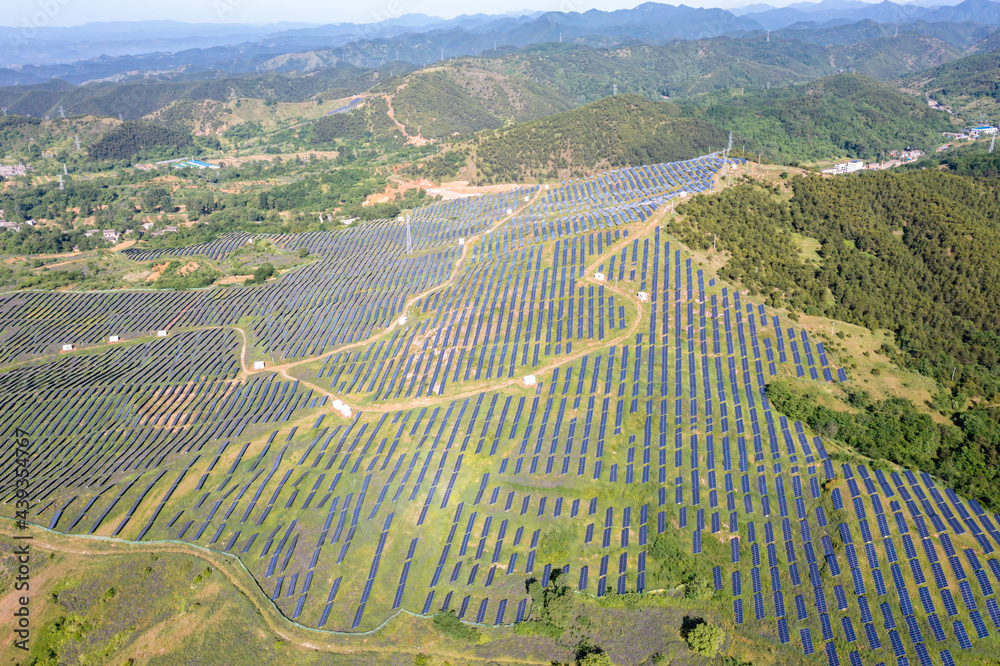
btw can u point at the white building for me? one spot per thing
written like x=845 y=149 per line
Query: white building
x=848 y=167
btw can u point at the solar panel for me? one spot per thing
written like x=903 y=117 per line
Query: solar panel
x=961 y=635
x=873 y=639
x=807 y=644
x=824 y=621
x=977 y=622
x=783 y=630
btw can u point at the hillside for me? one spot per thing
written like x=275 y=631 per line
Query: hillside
x=846 y=114
x=135 y=99
x=968 y=87
x=627 y=129
x=910 y=252
x=138 y=137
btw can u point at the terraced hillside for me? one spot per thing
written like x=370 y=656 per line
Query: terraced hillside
x=539 y=385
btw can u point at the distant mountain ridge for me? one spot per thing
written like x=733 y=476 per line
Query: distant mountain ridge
x=184 y=52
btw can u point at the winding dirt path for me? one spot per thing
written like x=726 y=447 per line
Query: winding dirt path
x=234 y=571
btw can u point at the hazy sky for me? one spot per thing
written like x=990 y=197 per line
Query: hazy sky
x=39 y=13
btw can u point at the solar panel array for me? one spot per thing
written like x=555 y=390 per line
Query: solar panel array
x=662 y=394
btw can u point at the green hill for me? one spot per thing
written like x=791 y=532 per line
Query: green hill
x=967 y=87
x=136 y=136
x=838 y=115
x=615 y=131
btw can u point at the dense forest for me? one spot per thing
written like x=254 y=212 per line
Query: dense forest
x=136 y=136
x=917 y=253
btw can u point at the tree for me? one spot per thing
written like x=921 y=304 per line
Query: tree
x=595 y=659
x=705 y=639
x=699 y=586
x=260 y=275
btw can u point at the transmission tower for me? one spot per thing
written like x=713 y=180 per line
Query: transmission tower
x=61 y=184
x=730 y=146
x=76 y=140
x=62 y=114
x=409 y=241
x=993 y=139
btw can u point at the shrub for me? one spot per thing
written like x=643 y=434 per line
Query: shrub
x=449 y=625
x=705 y=639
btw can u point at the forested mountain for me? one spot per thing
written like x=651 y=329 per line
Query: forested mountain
x=967 y=86
x=135 y=137
x=847 y=114
x=470 y=94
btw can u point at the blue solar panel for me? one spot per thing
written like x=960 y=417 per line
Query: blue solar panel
x=848 y=627
x=980 y=626
x=866 y=612
x=897 y=643
x=966 y=590
x=949 y=603
x=800 y=607
x=831 y=654
x=807 y=643
x=890 y=621
x=946 y=658
x=994 y=611
x=925 y=600
x=824 y=621
x=872 y=634
x=961 y=635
